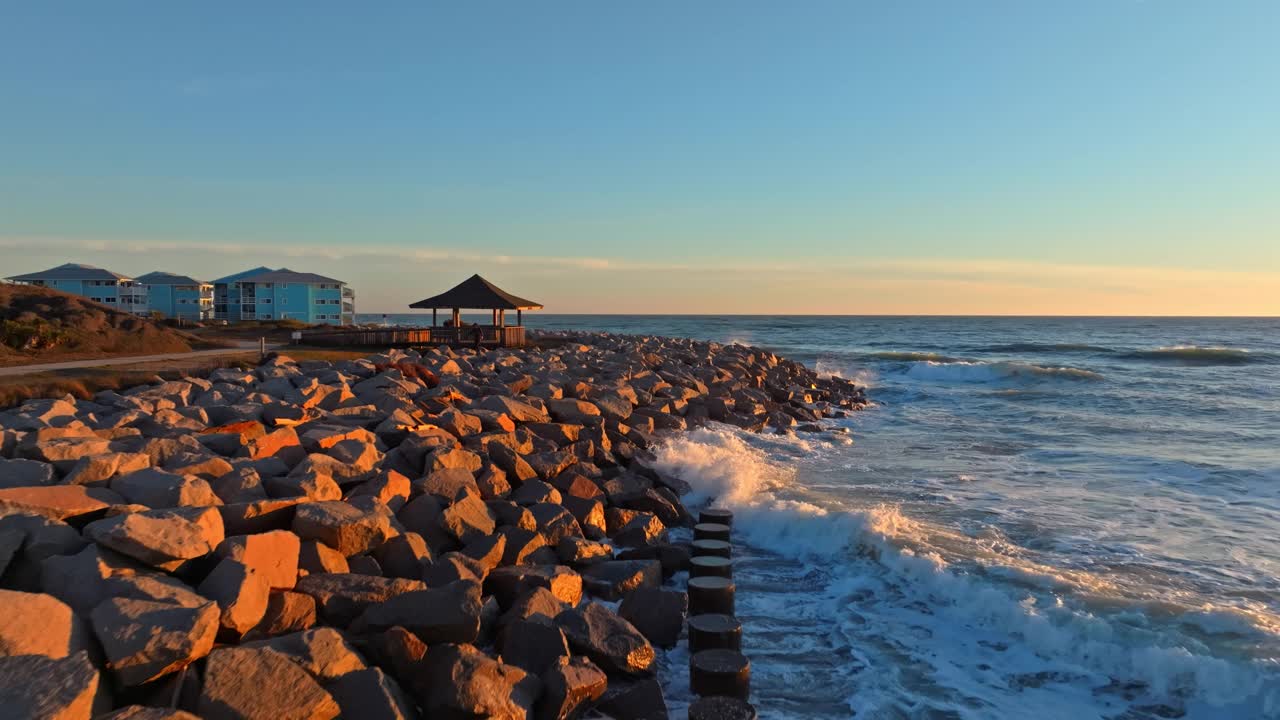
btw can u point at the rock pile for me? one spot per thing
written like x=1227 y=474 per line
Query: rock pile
x=360 y=539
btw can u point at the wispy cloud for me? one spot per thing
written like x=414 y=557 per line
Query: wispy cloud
x=385 y=275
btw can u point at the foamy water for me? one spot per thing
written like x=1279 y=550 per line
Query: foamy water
x=1048 y=518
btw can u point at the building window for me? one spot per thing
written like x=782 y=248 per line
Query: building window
x=96 y=299
x=284 y=301
x=265 y=301
x=108 y=300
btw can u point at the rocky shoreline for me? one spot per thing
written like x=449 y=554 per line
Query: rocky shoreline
x=416 y=534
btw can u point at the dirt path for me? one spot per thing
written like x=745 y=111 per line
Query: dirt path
x=131 y=360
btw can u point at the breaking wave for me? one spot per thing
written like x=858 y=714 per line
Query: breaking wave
x=1198 y=355
x=990 y=372
x=914 y=356
x=941 y=625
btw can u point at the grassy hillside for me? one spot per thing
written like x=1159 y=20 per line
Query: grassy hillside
x=43 y=325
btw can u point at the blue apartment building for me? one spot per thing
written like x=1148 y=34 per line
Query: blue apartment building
x=283 y=294
x=99 y=285
x=178 y=296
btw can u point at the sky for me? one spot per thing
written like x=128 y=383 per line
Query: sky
x=912 y=157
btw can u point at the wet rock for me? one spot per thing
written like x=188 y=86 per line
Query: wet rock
x=343 y=526
x=145 y=640
x=657 y=613
x=35 y=686
x=611 y=642
x=570 y=686
x=166 y=539
x=462 y=682
x=39 y=624
x=234 y=683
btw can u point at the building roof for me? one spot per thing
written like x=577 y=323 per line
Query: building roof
x=477 y=293
x=284 y=275
x=167 y=278
x=241 y=275
x=70 y=271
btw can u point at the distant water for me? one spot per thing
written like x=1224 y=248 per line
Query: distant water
x=1044 y=518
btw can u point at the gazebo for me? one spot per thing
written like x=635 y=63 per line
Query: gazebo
x=476 y=293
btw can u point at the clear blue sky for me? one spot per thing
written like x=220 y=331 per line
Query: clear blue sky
x=707 y=156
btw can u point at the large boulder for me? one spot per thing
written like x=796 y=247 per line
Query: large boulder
x=570 y=686
x=241 y=593
x=467 y=518
x=37 y=624
x=261 y=684
x=160 y=489
x=342 y=597
x=323 y=652
x=145 y=640
x=58 y=502
x=658 y=613
x=273 y=555
x=26 y=473
x=448 y=614
x=345 y=527
x=36 y=686
x=372 y=694
x=166 y=539
x=611 y=642
x=462 y=682
x=286 y=612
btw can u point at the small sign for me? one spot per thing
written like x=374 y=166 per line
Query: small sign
x=296 y=334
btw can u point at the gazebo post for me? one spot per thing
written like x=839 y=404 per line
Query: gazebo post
x=433 y=317
x=519 y=317
x=502 y=318
x=457 y=317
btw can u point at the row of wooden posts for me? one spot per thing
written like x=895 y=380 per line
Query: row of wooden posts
x=719 y=674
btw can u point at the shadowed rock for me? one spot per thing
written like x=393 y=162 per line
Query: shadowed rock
x=448 y=614
x=372 y=694
x=145 y=640
x=241 y=594
x=322 y=652
x=286 y=612
x=261 y=684
x=611 y=642
x=570 y=686
x=35 y=686
x=657 y=613
x=341 y=597
x=462 y=682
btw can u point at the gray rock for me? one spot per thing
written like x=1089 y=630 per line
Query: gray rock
x=657 y=613
x=25 y=473
x=372 y=694
x=341 y=597
x=160 y=489
x=448 y=614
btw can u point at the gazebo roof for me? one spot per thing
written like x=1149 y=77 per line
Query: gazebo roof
x=477 y=293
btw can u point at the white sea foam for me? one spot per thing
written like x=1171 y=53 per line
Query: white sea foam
x=990 y=372
x=949 y=625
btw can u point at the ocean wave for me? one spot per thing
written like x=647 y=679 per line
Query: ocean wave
x=990 y=372
x=1200 y=355
x=906 y=356
x=953 y=627
x=1032 y=347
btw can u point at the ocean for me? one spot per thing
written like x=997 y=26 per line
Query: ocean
x=1041 y=518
